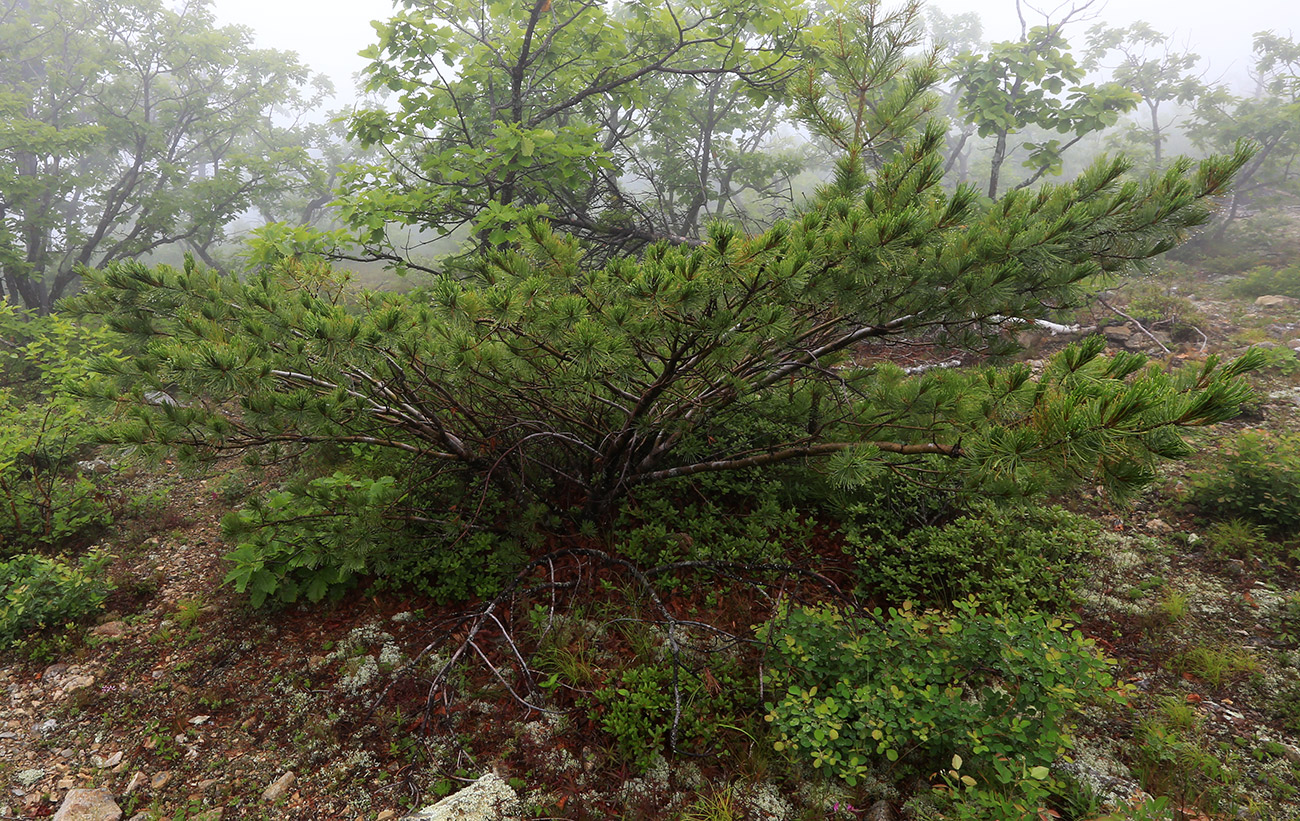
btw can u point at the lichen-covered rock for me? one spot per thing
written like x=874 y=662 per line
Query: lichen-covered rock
x=488 y=799
x=1276 y=301
x=1096 y=766
x=88 y=805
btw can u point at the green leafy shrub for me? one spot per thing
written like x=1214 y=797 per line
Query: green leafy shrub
x=44 y=428
x=921 y=686
x=884 y=504
x=1265 y=280
x=38 y=592
x=1015 y=794
x=1019 y=556
x=1285 y=707
x=700 y=522
x=1282 y=361
x=638 y=712
x=1157 y=306
x=318 y=537
x=1254 y=478
x=636 y=709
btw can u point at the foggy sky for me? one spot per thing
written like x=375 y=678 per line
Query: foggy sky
x=326 y=34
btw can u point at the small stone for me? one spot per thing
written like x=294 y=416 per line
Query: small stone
x=111 y=629
x=77 y=684
x=54 y=671
x=208 y=783
x=107 y=763
x=386 y=815
x=279 y=788
x=161 y=780
x=1159 y=526
x=137 y=781
x=197 y=720
x=88 y=805
x=1293 y=344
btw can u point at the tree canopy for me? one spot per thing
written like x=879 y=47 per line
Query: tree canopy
x=125 y=127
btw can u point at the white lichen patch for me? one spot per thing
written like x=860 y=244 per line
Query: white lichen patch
x=365 y=652
x=765 y=802
x=28 y=778
x=358 y=673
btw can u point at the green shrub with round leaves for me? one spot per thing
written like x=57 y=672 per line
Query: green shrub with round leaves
x=39 y=592
x=917 y=687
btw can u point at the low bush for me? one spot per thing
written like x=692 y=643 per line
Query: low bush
x=636 y=707
x=1265 y=280
x=1279 y=361
x=1156 y=305
x=45 y=504
x=1019 y=556
x=38 y=592
x=700 y=521
x=318 y=537
x=1255 y=478
x=918 y=687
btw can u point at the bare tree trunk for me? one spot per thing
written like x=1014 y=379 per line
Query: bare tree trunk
x=999 y=154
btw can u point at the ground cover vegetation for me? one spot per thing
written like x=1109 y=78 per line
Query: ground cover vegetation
x=672 y=492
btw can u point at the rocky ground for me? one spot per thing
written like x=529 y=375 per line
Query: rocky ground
x=182 y=703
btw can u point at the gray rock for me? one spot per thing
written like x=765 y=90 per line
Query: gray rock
x=279 y=788
x=1104 y=776
x=488 y=799
x=1291 y=754
x=77 y=684
x=88 y=805
x=94 y=466
x=161 y=780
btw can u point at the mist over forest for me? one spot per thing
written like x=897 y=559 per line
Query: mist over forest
x=269 y=143
x=690 y=410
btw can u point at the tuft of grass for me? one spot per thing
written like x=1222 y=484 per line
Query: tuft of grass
x=1236 y=539
x=1173 y=605
x=718 y=805
x=1215 y=666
